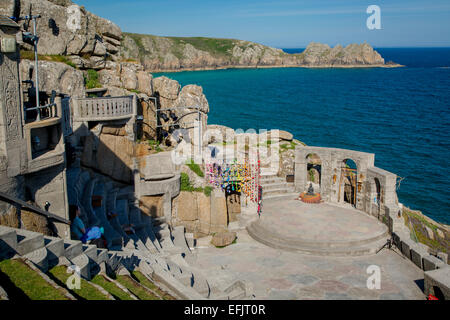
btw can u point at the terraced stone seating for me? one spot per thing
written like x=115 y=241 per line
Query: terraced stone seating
x=161 y=253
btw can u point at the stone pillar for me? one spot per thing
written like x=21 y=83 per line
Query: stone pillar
x=300 y=178
x=219 y=218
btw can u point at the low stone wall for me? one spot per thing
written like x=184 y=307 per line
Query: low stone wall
x=201 y=214
x=417 y=253
x=437 y=283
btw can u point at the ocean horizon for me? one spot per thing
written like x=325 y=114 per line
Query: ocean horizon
x=400 y=114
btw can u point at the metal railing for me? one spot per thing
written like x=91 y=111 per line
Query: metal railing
x=67 y=118
x=22 y=204
x=104 y=108
x=43 y=112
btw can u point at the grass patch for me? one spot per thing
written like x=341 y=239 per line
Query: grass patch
x=30 y=282
x=111 y=287
x=149 y=284
x=91 y=79
x=86 y=291
x=29 y=55
x=195 y=168
x=187 y=186
x=136 y=288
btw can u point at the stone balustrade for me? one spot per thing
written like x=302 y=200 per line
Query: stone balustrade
x=103 y=109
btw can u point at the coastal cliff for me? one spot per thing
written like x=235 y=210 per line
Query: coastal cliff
x=176 y=54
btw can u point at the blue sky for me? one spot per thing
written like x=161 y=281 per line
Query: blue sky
x=285 y=23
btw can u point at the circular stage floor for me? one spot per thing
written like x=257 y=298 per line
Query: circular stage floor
x=320 y=229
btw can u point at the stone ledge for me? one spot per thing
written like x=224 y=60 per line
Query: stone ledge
x=437 y=283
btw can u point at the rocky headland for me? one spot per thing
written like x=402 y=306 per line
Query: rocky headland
x=159 y=54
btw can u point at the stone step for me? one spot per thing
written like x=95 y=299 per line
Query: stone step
x=28 y=241
x=179 y=239
x=353 y=248
x=102 y=255
x=39 y=258
x=72 y=249
x=277 y=197
x=122 y=211
x=8 y=242
x=276 y=191
x=200 y=284
x=55 y=248
x=82 y=262
x=3 y=294
x=258 y=228
x=91 y=252
x=191 y=241
x=135 y=216
x=274 y=186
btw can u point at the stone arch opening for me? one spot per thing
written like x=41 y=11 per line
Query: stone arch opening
x=348 y=183
x=314 y=171
x=377 y=195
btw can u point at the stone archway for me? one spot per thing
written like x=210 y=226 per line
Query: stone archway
x=314 y=171
x=348 y=183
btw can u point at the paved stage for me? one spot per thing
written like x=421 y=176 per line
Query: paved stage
x=277 y=273
x=321 y=229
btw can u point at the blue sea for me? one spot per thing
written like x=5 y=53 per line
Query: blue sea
x=402 y=114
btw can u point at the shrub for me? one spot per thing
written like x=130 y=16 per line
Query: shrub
x=91 y=79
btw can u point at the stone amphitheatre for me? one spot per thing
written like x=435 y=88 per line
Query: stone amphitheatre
x=178 y=229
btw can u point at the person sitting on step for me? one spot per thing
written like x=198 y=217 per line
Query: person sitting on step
x=94 y=235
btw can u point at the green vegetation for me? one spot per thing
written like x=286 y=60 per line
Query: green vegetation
x=207 y=191
x=137 y=289
x=139 y=277
x=135 y=91
x=29 y=281
x=155 y=145
x=111 y=287
x=290 y=146
x=86 y=291
x=91 y=79
x=216 y=47
x=29 y=55
x=311 y=175
x=418 y=229
x=195 y=168
x=187 y=186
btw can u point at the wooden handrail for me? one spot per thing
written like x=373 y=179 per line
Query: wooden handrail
x=14 y=201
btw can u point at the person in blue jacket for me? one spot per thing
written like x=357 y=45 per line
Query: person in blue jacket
x=79 y=231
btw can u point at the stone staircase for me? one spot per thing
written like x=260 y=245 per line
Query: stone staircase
x=164 y=254
x=274 y=186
